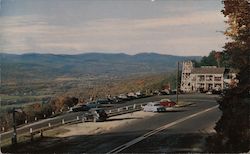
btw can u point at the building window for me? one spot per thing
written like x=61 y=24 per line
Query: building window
x=201 y=77
x=209 y=78
x=201 y=85
x=209 y=86
x=217 y=78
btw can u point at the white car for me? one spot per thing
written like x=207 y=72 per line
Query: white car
x=132 y=95
x=209 y=93
x=122 y=96
x=154 y=107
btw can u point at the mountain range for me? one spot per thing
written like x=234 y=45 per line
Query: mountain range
x=35 y=66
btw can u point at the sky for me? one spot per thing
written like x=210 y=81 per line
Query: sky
x=176 y=27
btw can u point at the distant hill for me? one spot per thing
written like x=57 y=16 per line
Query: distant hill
x=49 y=66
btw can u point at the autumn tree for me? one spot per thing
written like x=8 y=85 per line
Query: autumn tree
x=62 y=103
x=233 y=129
x=215 y=58
x=32 y=111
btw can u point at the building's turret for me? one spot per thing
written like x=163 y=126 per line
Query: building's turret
x=187 y=67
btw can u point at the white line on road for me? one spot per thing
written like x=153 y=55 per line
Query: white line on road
x=138 y=139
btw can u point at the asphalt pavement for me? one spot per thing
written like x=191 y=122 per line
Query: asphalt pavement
x=179 y=136
x=187 y=136
x=71 y=116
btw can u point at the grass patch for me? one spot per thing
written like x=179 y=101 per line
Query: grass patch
x=55 y=132
x=27 y=138
x=20 y=139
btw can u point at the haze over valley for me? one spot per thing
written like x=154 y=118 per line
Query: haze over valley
x=34 y=67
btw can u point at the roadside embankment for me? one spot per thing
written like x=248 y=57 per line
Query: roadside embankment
x=183 y=104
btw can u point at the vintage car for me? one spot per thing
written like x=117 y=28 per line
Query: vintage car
x=97 y=114
x=154 y=107
x=80 y=107
x=167 y=103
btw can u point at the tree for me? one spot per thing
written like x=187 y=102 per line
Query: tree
x=233 y=133
x=214 y=58
x=209 y=60
x=62 y=103
x=32 y=111
x=219 y=59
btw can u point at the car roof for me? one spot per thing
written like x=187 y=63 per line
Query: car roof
x=78 y=105
x=165 y=99
x=154 y=103
x=91 y=102
x=102 y=99
x=95 y=109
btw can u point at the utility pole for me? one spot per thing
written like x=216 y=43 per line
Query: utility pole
x=177 y=83
x=14 y=136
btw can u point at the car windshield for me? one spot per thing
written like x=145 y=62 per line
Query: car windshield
x=99 y=111
x=102 y=101
x=91 y=103
x=156 y=104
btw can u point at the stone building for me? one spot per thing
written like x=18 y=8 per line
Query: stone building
x=206 y=78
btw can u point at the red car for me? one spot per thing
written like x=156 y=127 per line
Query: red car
x=167 y=103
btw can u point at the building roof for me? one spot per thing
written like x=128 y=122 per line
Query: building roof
x=208 y=70
x=231 y=71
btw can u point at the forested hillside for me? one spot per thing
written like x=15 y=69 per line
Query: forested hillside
x=49 y=66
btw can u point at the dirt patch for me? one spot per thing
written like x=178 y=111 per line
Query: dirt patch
x=90 y=128
x=60 y=136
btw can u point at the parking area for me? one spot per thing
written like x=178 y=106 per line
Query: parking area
x=91 y=128
x=85 y=136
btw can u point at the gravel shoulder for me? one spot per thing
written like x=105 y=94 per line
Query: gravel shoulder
x=91 y=128
x=63 y=134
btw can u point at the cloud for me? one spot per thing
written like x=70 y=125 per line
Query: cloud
x=192 y=34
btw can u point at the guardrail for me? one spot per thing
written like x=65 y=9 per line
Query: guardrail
x=50 y=124
x=126 y=109
x=53 y=114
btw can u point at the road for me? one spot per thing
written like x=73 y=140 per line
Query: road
x=69 y=116
x=186 y=136
x=182 y=131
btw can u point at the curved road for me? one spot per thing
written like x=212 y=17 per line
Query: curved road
x=69 y=117
x=182 y=131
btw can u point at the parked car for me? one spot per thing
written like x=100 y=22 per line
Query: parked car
x=123 y=97
x=116 y=100
x=218 y=92
x=100 y=103
x=165 y=92
x=156 y=92
x=154 y=107
x=167 y=103
x=92 y=105
x=112 y=100
x=97 y=114
x=103 y=101
x=139 y=94
x=80 y=107
x=132 y=95
x=209 y=93
x=174 y=91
